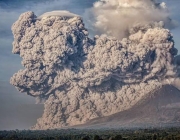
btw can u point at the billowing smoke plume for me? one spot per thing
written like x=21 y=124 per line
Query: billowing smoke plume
x=81 y=78
x=125 y=14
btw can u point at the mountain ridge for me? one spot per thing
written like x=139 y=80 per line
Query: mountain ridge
x=159 y=109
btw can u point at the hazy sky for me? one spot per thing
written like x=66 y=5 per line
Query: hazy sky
x=18 y=110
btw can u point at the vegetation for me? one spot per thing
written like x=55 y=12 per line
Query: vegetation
x=90 y=134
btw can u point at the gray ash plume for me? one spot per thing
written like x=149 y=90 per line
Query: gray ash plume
x=80 y=78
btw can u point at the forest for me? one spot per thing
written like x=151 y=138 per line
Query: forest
x=93 y=134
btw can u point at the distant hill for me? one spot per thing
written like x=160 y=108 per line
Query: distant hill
x=158 y=109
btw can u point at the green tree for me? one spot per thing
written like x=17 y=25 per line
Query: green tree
x=96 y=137
x=118 y=137
x=111 y=138
x=85 y=138
x=154 y=137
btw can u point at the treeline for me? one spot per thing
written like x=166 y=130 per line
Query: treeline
x=76 y=134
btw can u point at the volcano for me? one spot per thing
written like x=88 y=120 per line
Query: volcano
x=159 y=109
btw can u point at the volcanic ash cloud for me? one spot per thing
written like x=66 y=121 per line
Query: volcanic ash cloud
x=124 y=14
x=81 y=78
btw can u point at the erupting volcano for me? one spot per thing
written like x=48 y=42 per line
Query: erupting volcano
x=80 y=78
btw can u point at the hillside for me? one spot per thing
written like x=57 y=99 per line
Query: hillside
x=161 y=108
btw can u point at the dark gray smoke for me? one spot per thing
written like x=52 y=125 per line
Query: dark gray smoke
x=81 y=78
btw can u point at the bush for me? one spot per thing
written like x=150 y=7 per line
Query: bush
x=96 y=137
x=85 y=138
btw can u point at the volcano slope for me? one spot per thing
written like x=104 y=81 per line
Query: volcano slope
x=159 y=109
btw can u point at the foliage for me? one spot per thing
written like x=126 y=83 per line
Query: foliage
x=92 y=134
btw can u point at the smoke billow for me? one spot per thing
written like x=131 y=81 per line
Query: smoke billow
x=82 y=78
x=125 y=14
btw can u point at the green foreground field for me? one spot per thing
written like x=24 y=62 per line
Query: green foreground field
x=92 y=134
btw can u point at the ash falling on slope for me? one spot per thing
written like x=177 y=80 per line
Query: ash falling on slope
x=80 y=78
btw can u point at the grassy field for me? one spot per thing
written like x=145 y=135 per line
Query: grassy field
x=92 y=134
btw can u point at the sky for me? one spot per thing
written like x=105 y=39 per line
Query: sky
x=17 y=110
